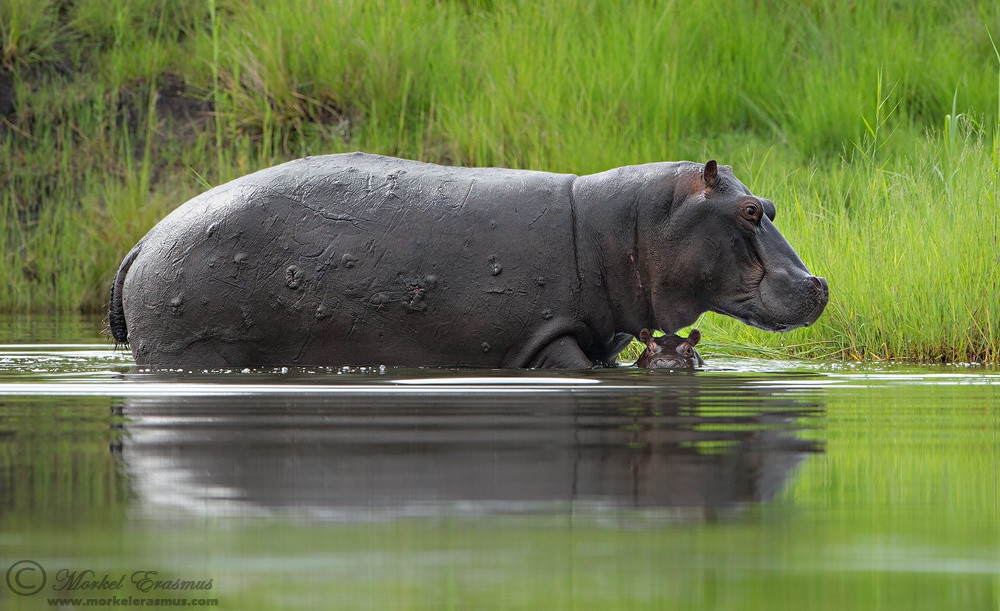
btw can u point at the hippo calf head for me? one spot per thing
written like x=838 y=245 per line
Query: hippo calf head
x=715 y=248
x=669 y=351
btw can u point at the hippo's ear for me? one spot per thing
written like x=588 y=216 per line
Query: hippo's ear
x=645 y=337
x=694 y=337
x=711 y=173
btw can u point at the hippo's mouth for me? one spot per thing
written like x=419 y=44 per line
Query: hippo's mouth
x=779 y=303
x=764 y=323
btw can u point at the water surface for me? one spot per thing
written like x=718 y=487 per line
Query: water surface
x=749 y=485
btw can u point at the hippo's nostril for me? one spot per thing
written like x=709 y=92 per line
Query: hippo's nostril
x=820 y=285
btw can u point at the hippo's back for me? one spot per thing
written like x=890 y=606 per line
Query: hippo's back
x=356 y=259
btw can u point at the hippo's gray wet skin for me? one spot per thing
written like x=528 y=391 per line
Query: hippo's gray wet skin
x=361 y=259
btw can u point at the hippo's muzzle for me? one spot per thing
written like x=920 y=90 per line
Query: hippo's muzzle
x=782 y=301
x=791 y=302
x=778 y=292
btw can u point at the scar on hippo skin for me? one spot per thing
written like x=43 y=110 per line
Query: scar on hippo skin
x=415 y=296
x=412 y=292
x=293 y=277
x=669 y=351
x=177 y=305
x=415 y=301
x=495 y=268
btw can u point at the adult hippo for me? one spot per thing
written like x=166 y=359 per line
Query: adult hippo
x=361 y=259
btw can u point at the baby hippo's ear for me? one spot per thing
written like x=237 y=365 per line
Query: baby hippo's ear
x=694 y=337
x=645 y=337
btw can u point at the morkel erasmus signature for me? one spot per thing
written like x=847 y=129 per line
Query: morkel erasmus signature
x=144 y=581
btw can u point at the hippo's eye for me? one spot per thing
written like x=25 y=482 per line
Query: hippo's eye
x=751 y=211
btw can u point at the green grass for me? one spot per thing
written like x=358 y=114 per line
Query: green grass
x=873 y=126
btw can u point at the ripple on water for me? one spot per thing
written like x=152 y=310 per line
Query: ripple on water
x=97 y=369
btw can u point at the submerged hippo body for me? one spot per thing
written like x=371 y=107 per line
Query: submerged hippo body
x=360 y=259
x=669 y=351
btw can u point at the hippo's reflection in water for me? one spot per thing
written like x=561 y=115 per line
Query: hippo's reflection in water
x=634 y=440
